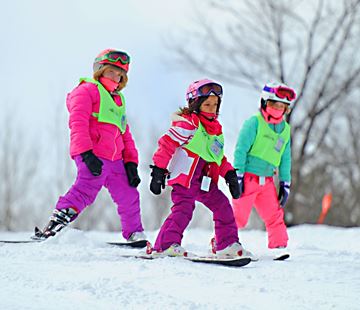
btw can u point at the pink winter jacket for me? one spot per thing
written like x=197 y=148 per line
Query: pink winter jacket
x=181 y=162
x=86 y=133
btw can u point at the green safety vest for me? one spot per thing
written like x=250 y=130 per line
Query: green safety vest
x=109 y=111
x=208 y=147
x=269 y=145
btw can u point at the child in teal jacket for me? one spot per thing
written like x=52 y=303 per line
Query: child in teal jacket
x=263 y=147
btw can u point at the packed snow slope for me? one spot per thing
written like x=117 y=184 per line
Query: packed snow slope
x=77 y=270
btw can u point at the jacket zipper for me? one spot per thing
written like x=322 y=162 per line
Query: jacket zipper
x=117 y=131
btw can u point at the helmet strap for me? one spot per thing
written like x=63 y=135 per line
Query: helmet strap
x=263 y=104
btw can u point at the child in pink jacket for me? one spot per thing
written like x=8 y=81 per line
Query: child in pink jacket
x=102 y=147
x=191 y=154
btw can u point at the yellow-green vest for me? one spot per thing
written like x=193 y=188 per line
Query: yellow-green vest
x=109 y=111
x=269 y=145
x=208 y=147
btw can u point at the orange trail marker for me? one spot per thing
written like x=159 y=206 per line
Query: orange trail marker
x=326 y=204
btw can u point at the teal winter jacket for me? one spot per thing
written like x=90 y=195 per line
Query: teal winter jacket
x=244 y=162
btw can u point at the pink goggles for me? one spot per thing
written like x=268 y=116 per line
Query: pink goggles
x=114 y=56
x=281 y=92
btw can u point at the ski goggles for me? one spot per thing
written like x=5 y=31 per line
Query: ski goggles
x=115 y=57
x=207 y=89
x=281 y=92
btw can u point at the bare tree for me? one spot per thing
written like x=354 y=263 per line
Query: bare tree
x=346 y=176
x=310 y=45
x=19 y=161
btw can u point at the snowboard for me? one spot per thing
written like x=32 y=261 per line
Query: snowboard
x=232 y=262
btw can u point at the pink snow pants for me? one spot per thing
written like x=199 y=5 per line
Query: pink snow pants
x=86 y=187
x=184 y=204
x=264 y=199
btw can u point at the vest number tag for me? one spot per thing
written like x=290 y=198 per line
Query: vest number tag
x=205 y=183
x=216 y=147
x=123 y=121
x=279 y=144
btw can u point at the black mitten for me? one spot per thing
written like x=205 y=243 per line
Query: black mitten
x=93 y=163
x=158 y=179
x=132 y=174
x=232 y=181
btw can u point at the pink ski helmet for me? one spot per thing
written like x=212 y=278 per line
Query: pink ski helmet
x=112 y=57
x=204 y=87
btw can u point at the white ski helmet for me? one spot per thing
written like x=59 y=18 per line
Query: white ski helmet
x=278 y=92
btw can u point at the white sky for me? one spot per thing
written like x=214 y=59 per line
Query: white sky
x=48 y=45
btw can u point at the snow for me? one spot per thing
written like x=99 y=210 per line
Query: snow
x=77 y=270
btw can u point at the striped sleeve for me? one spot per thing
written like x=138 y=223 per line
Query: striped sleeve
x=180 y=135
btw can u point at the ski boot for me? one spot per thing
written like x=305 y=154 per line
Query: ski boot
x=174 y=250
x=233 y=250
x=137 y=236
x=58 y=220
x=279 y=253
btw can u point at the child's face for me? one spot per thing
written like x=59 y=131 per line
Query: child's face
x=281 y=106
x=112 y=74
x=210 y=105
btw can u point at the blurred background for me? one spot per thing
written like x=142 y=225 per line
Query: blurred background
x=312 y=46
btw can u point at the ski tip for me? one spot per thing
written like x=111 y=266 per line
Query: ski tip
x=282 y=257
x=133 y=244
x=230 y=262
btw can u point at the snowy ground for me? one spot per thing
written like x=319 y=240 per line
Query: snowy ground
x=77 y=271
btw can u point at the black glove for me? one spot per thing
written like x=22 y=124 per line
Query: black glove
x=284 y=192
x=93 y=163
x=232 y=181
x=158 y=179
x=132 y=174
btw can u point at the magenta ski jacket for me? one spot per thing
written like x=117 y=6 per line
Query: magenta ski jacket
x=86 y=133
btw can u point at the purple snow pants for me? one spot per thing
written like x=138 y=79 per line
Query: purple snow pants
x=86 y=187
x=184 y=204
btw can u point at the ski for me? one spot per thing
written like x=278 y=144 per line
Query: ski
x=135 y=244
x=21 y=241
x=37 y=237
x=132 y=244
x=128 y=244
x=281 y=257
x=231 y=262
